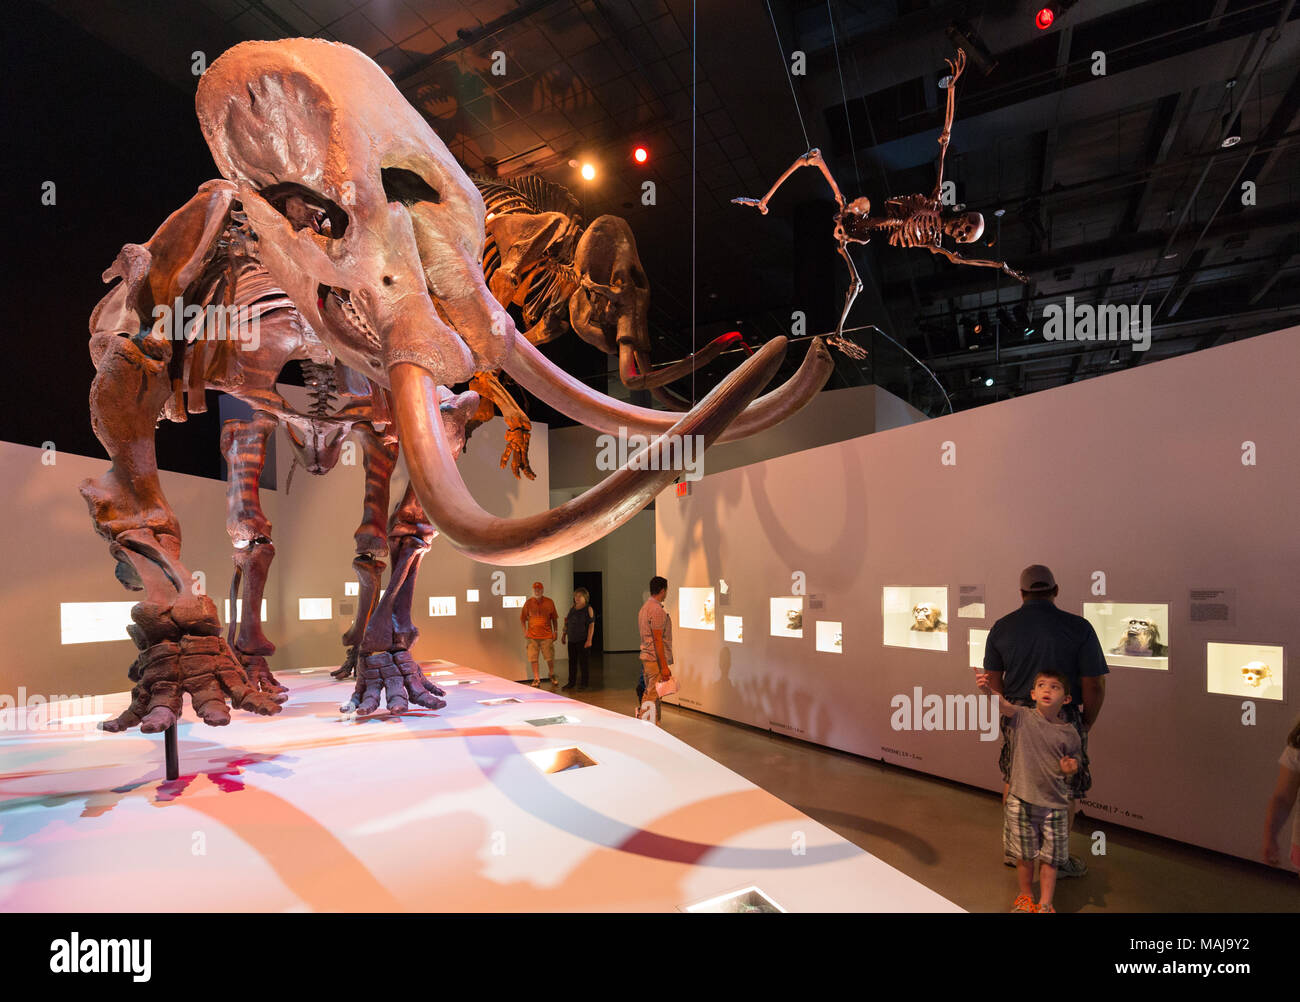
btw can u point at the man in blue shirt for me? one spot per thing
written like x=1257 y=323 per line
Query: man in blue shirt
x=1036 y=636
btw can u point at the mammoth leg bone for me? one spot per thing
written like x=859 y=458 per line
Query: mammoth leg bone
x=519 y=429
x=176 y=631
x=243 y=443
x=386 y=671
x=379 y=457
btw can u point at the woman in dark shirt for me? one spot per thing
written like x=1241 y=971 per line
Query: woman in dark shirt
x=579 y=626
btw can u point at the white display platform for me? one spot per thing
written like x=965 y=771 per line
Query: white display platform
x=428 y=811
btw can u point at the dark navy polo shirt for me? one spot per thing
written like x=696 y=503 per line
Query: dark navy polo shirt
x=1038 y=635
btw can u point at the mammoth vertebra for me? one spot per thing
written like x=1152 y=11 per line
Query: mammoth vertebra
x=364 y=221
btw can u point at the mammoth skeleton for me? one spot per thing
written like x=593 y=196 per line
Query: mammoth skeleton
x=369 y=234
x=540 y=258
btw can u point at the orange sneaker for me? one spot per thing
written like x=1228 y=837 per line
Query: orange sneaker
x=1024 y=903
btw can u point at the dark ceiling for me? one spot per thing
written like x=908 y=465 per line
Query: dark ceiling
x=1114 y=187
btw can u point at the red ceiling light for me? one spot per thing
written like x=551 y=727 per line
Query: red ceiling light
x=640 y=154
x=1045 y=17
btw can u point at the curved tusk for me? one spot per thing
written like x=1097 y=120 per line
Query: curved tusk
x=541 y=377
x=635 y=371
x=576 y=523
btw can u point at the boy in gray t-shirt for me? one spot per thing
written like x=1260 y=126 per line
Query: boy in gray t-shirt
x=1036 y=819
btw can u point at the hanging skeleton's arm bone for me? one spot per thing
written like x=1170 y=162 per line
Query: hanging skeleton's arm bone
x=954 y=71
x=813 y=158
x=956 y=258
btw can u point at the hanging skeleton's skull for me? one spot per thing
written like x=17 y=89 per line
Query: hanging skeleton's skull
x=965 y=228
x=859 y=207
x=361 y=213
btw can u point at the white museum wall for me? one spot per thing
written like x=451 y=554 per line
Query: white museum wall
x=1138 y=475
x=57 y=557
x=626 y=557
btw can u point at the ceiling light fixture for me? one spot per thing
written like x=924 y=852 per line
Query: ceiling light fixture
x=588 y=172
x=1234 y=133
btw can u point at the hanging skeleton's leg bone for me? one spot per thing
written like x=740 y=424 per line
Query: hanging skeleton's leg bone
x=243 y=443
x=379 y=457
x=176 y=631
x=850 y=294
x=813 y=158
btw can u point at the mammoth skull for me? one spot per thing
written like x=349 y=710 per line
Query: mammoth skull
x=365 y=219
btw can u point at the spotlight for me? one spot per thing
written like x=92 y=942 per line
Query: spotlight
x=640 y=154
x=988 y=381
x=1049 y=12
x=588 y=172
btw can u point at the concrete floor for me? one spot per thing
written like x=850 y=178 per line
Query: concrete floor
x=947 y=835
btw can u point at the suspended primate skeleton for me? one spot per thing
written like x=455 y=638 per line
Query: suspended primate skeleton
x=370 y=231
x=909 y=221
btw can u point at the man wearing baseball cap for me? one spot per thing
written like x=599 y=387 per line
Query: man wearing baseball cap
x=1038 y=635
x=539 y=618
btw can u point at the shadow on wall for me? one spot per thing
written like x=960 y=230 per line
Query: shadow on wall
x=762 y=698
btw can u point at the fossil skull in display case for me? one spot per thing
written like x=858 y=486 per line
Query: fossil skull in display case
x=928 y=618
x=1253 y=673
x=1141 y=639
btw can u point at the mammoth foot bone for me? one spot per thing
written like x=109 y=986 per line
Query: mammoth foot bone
x=202 y=666
x=349 y=666
x=395 y=677
x=260 y=677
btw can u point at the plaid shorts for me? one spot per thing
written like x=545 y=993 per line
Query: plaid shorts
x=1031 y=832
x=1081 y=781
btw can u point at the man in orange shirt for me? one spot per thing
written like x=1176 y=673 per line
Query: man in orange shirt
x=539 y=618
